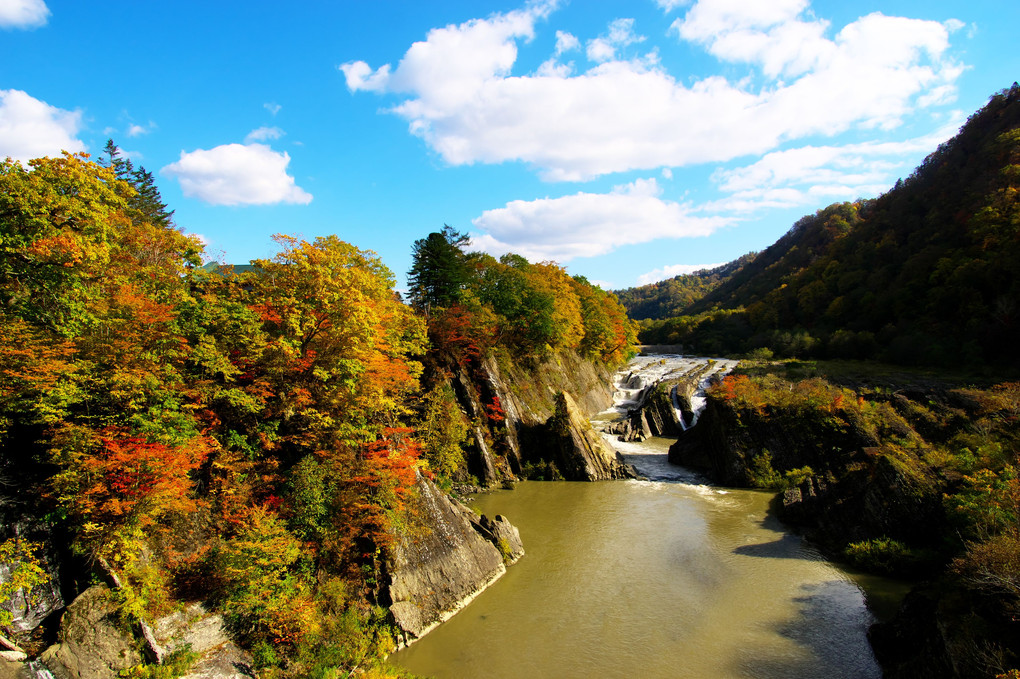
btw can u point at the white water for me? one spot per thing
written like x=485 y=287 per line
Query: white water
x=634 y=382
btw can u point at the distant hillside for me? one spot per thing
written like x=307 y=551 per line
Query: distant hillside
x=926 y=273
x=674 y=296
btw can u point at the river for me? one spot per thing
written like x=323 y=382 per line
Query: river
x=666 y=577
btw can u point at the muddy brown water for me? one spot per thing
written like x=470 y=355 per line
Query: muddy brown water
x=669 y=577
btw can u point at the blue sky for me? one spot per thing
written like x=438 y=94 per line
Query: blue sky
x=629 y=141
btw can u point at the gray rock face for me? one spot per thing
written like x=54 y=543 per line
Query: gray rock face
x=29 y=608
x=583 y=455
x=91 y=645
x=205 y=633
x=501 y=533
x=438 y=569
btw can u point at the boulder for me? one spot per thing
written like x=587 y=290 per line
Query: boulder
x=205 y=633
x=502 y=534
x=92 y=646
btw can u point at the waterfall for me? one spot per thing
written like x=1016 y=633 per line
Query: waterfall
x=635 y=381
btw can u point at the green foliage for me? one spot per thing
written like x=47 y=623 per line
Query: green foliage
x=760 y=473
x=25 y=572
x=442 y=429
x=176 y=664
x=795 y=477
x=439 y=271
x=988 y=503
x=886 y=556
x=672 y=297
x=267 y=598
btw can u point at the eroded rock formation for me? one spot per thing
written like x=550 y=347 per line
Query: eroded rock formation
x=443 y=563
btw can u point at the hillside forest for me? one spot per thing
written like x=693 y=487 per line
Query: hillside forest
x=249 y=436
x=925 y=274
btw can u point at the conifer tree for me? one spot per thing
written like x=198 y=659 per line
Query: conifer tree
x=147 y=200
x=439 y=271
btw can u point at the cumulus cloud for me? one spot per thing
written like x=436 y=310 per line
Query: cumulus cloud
x=30 y=128
x=236 y=174
x=263 y=134
x=459 y=94
x=272 y=107
x=23 y=13
x=587 y=224
x=566 y=42
x=672 y=271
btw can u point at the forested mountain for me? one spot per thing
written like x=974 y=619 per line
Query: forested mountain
x=926 y=273
x=674 y=296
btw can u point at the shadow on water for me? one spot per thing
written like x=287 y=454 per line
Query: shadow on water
x=788 y=546
x=826 y=611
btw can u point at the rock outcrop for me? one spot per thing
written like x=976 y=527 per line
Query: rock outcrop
x=582 y=455
x=857 y=489
x=204 y=633
x=29 y=608
x=91 y=645
x=442 y=564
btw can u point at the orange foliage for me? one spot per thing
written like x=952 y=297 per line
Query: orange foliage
x=133 y=480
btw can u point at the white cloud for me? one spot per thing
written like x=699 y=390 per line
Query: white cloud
x=802 y=176
x=134 y=130
x=669 y=5
x=263 y=134
x=23 y=13
x=30 y=128
x=459 y=93
x=272 y=107
x=588 y=224
x=672 y=271
x=621 y=34
x=953 y=25
x=566 y=42
x=236 y=174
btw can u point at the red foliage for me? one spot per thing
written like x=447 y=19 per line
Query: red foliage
x=133 y=479
x=494 y=411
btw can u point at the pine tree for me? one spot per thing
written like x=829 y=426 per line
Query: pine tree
x=439 y=271
x=147 y=201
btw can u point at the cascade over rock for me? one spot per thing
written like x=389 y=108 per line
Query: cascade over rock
x=441 y=566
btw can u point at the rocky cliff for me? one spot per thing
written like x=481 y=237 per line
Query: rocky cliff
x=582 y=454
x=443 y=562
x=520 y=441
x=848 y=484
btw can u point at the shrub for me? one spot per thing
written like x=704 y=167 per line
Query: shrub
x=760 y=473
x=886 y=556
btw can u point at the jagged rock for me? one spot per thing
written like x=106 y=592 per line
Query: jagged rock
x=91 y=644
x=13 y=669
x=438 y=568
x=503 y=534
x=582 y=454
x=206 y=634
